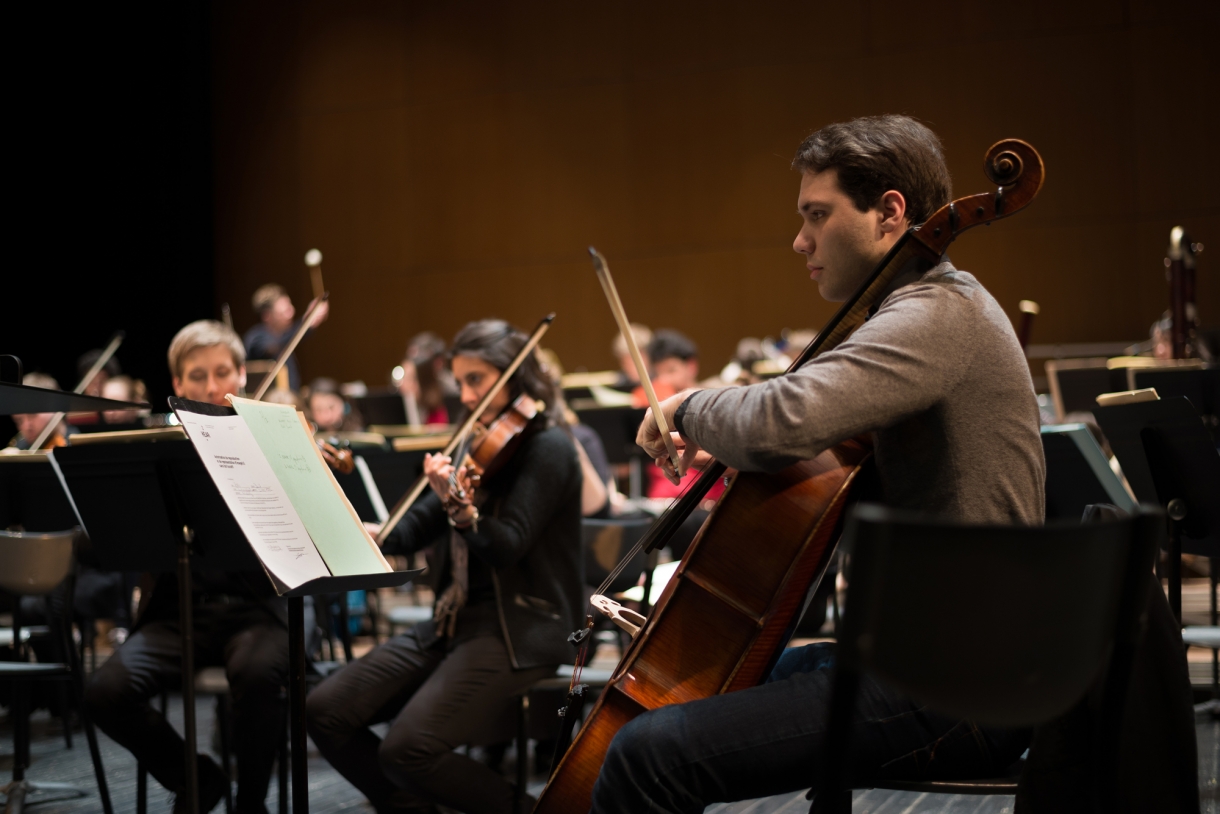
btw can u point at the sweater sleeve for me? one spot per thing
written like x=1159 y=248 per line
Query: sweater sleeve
x=902 y=361
x=540 y=484
x=420 y=526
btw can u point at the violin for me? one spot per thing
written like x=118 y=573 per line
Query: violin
x=495 y=454
x=489 y=449
x=337 y=454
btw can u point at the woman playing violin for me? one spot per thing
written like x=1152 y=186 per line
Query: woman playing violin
x=506 y=571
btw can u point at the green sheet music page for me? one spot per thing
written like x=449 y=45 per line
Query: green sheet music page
x=315 y=494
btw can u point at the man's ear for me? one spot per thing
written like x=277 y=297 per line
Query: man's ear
x=893 y=209
x=241 y=377
x=178 y=387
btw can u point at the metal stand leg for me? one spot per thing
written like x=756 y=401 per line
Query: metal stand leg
x=296 y=703
x=186 y=622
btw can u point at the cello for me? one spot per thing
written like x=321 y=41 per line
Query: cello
x=738 y=604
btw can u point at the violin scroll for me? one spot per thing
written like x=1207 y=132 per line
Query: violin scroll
x=1015 y=166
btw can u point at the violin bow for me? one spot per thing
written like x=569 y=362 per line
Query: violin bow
x=313 y=259
x=624 y=326
x=408 y=500
x=290 y=347
x=115 y=341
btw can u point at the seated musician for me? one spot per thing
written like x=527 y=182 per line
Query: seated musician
x=95 y=387
x=329 y=410
x=425 y=377
x=507 y=573
x=31 y=425
x=238 y=624
x=629 y=377
x=937 y=377
x=276 y=327
x=124 y=388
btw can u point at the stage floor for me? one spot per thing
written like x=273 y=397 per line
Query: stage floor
x=329 y=793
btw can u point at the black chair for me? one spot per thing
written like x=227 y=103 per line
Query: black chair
x=924 y=604
x=32 y=564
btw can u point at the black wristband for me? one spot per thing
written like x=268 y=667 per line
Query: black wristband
x=680 y=416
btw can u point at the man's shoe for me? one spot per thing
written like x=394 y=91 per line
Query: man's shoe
x=213 y=783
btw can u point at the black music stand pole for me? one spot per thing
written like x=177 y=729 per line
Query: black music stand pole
x=296 y=662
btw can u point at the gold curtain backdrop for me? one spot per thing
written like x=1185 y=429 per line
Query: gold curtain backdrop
x=453 y=160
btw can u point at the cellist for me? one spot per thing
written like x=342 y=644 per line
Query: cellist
x=507 y=576
x=937 y=377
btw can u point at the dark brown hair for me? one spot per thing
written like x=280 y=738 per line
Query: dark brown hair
x=497 y=343
x=875 y=154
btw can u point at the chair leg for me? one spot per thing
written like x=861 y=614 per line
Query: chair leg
x=65 y=714
x=224 y=720
x=21 y=730
x=523 y=758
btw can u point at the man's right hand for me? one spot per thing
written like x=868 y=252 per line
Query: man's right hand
x=649 y=438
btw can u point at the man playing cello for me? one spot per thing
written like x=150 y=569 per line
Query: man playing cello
x=937 y=377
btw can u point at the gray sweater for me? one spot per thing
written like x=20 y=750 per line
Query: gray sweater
x=939 y=379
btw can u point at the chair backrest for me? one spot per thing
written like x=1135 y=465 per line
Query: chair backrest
x=34 y=563
x=606 y=542
x=1006 y=625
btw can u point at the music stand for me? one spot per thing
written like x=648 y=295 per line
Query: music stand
x=31 y=496
x=1078 y=474
x=153 y=507
x=382 y=408
x=1169 y=459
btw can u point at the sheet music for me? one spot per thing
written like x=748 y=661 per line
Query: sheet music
x=255 y=497
x=332 y=523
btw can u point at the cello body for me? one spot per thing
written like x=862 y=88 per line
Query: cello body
x=728 y=611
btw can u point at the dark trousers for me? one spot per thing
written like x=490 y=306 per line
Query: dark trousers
x=769 y=740
x=252 y=646
x=436 y=700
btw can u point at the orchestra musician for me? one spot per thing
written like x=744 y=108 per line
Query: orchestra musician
x=937 y=377
x=31 y=425
x=507 y=574
x=425 y=378
x=628 y=376
x=329 y=410
x=238 y=623
x=276 y=327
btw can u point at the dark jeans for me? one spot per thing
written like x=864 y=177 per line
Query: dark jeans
x=436 y=700
x=253 y=648
x=769 y=740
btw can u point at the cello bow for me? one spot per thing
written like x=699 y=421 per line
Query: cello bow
x=743 y=604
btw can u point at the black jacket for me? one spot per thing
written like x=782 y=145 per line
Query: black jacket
x=529 y=537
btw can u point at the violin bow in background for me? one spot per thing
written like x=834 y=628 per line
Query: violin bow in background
x=313 y=259
x=306 y=322
x=408 y=500
x=115 y=341
x=624 y=326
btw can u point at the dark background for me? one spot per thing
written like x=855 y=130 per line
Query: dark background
x=110 y=185
x=452 y=160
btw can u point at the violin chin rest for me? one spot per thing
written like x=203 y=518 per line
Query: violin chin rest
x=625 y=618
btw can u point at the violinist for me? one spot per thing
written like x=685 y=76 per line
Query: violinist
x=238 y=624
x=329 y=410
x=425 y=380
x=507 y=573
x=31 y=425
x=276 y=327
x=937 y=377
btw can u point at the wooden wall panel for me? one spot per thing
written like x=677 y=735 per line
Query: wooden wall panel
x=453 y=160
